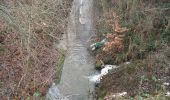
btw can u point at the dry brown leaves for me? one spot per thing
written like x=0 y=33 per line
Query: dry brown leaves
x=115 y=39
x=23 y=73
x=114 y=42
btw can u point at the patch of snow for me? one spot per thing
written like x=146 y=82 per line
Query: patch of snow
x=116 y=95
x=106 y=69
x=93 y=46
x=166 y=84
x=97 y=77
x=104 y=40
x=127 y=63
x=120 y=94
x=168 y=94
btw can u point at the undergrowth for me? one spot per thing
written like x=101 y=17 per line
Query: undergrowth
x=28 y=31
x=148 y=25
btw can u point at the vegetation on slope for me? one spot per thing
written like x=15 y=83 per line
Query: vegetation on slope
x=142 y=30
x=28 y=31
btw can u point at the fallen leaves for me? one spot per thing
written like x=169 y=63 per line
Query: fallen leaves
x=115 y=39
x=115 y=42
x=22 y=73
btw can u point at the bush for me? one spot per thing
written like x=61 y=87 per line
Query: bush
x=148 y=32
x=30 y=30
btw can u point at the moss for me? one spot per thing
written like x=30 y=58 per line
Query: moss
x=2 y=49
x=119 y=58
x=59 y=66
x=98 y=65
x=165 y=36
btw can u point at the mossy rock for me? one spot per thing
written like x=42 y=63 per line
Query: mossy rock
x=98 y=65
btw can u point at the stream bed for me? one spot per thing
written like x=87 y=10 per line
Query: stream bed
x=79 y=64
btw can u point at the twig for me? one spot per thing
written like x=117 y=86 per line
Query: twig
x=21 y=81
x=157 y=9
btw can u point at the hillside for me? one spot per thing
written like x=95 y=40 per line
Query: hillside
x=138 y=41
x=29 y=61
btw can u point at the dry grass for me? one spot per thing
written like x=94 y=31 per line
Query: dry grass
x=141 y=77
x=146 y=21
x=148 y=33
x=28 y=57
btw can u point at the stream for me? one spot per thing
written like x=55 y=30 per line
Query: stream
x=78 y=65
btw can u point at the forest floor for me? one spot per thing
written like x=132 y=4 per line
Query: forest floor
x=29 y=61
x=139 y=34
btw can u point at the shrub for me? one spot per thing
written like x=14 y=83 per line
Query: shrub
x=30 y=31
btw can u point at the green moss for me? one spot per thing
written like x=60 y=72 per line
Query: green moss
x=165 y=36
x=98 y=65
x=2 y=49
x=119 y=58
x=164 y=5
x=59 y=66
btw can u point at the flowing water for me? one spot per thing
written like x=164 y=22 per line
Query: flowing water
x=78 y=65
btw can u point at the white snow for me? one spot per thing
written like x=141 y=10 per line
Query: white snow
x=93 y=46
x=97 y=77
x=116 y=95
x=120 y=94
x=168 y=94
x=106 y=69
x=166 y=84
x=127 y=63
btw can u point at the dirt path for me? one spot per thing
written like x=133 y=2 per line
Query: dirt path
x=78 y=64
